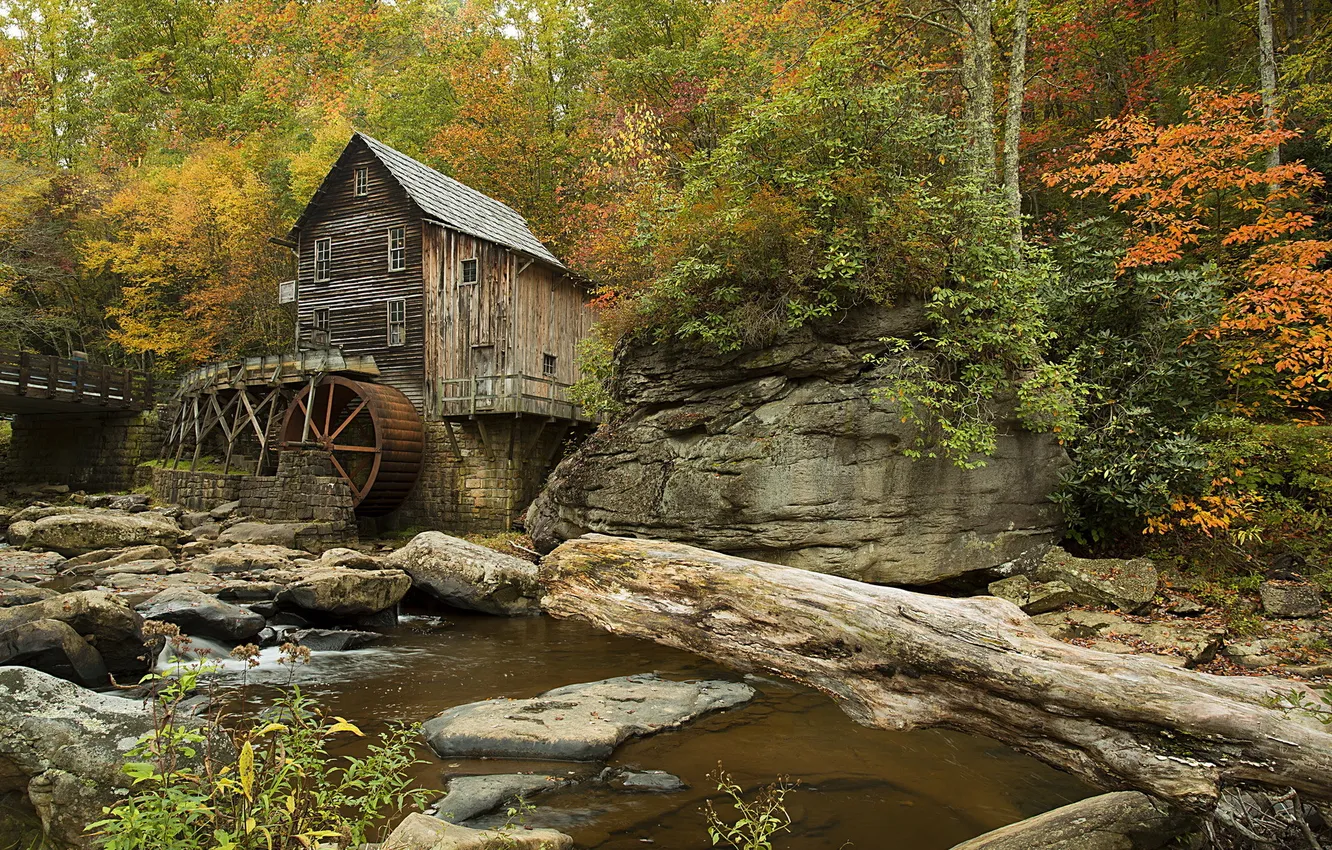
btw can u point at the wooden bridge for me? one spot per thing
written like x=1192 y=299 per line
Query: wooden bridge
x=39 y=383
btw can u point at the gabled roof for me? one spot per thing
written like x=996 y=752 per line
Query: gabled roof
x=452 y=203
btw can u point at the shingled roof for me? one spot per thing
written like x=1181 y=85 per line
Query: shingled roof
x=457 y=205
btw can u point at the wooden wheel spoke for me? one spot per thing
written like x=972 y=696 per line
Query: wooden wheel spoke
x=349 y=419
x=338 y=448
x=356 y=491
x=314 y=428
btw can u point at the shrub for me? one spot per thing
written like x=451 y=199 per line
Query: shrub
x=756 y=821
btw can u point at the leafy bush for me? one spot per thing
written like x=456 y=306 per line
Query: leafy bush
x=271 y=785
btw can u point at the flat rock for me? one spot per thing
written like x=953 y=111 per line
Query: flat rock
x=113 y=628
x=1123 y=820
x=1127 y=585
x=248 y=557
x=469 y=576
x=224 y=510
x=53 y=647
x=1195 y=644
x=351 y=559
x=344 y=592
x=470 y=796
x=1290 y=600
x=583 y=722
x=38 y=566
x=263 y=533
x=333 y=640
x=154 y=567
x=422 y=832
x=110 y=557
x=1034 y=597
x=647 y=780
x=75 y=534
x=201 y=615
x=14 y=592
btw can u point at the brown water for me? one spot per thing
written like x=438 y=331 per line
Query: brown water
x=859 y=787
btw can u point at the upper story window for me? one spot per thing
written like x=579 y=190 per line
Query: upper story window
x=469 y=271
x=362 y=182
x=397 y=249
x=397 y=321
x=323 y=259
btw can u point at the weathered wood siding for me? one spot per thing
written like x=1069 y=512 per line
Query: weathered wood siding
x=552 y=315
x=357 y=295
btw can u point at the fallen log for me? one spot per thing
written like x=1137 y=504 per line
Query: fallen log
x=895 y=659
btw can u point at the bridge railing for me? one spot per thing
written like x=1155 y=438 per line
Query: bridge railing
x=41 y=376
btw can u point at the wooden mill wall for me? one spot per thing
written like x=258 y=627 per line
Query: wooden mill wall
x=551 y=316
x=361 y=285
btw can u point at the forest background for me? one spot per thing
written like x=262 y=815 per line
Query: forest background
x=1112 y=210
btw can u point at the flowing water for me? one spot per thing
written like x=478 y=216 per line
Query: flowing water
x=859 y=787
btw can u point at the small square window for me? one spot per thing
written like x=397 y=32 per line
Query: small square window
x=362 y=182
x=397 y=249
x=321 y=318
x=397 y=321
x=548 y=365
x=323 y=260
x=469 y=271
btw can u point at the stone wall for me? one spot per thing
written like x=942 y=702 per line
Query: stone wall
x=305 y=489
x=479 y=475
x=90 y=451
x=785 y=454
x=198 y=491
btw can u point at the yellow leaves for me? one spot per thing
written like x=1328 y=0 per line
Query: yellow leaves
x=343 y=725
x=245 y=767
x=271 y=727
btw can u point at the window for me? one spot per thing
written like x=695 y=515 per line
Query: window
x=362 y=182
x=397 y=244
x=323 y=259
x=321 y=318
x=469 y=271
x=548 y=364
x=397 y=321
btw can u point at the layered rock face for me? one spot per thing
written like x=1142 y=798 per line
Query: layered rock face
x=782 y=454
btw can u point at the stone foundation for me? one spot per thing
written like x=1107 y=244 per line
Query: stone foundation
x=305 y=489
x=91 y=451
x=479 y=475
x=198 y=491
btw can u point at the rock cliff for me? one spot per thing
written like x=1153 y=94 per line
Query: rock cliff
x=781 y=454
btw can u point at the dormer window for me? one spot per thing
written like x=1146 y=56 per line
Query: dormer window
x=323 y=260
x=362 y=182
x=469 y=271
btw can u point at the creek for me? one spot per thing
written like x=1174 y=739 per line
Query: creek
x=859 y=787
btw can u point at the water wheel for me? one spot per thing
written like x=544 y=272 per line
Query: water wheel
x=372 y=431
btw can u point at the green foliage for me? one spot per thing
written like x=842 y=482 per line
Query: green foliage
x=1297 y=701
x=755 y=821
x=596 y=365
x=271 y=785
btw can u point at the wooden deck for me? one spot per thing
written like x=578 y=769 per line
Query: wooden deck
x=512 y=394
x=40 y=383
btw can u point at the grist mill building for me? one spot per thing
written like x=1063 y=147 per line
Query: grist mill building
x=436 y=343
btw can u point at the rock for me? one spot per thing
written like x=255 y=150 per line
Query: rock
x=248 y=557
x=784 y=454
x=1196 y=645
x=1289 y=600
x=41 y=510
x=332 y=640
x=1034 y=597
x=1257 y=652
x=111 y=557
x=647 y=780
x=224 y=510
x=116 y=501
x=1123 y=820
x=263 y=609
x=1127 y=585
x=201 y=615
x=18 y=532
x=53 y=647
x=1182 y=606
x=422 y=832
x=75 y=534
x=156 y=567
x=14 y=592
x=470 y=796
x=469 y=576
x=113 y=628
x=346 y=593
x=65 y=747
x=262 y=533
x=351 y=559
x=28 y=566
x=583 y=722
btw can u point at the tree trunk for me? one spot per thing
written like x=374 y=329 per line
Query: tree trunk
x=1017 y=89
x=978 y=80
x=1267 y=74
x=897 y=660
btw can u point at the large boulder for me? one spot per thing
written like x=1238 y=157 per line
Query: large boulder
x=785 y=454
x=64 y=747
x=1290 y=600
x=343 y=592
x=469 y=576
x=583 y=722
x=53 y=647
x=113 y=628
x=248 y=557
x=201 y=615
x=1127 y=585
x=1123 y=820
x=75 y=534
x=422 y=832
